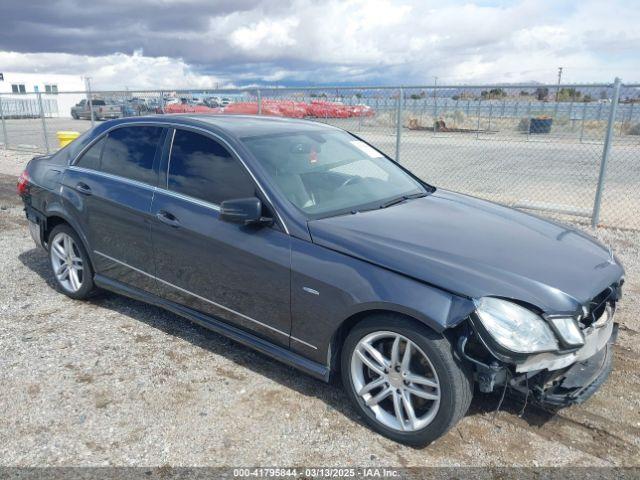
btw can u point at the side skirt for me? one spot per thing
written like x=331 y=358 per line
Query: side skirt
x=283 y=355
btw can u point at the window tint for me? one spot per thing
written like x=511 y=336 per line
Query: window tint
x=202 y=168
x=129 y=152
x=91 y=158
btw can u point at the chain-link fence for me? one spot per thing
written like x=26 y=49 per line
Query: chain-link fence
x=571 y=152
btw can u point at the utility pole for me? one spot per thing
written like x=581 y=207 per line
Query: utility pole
x=559 y=80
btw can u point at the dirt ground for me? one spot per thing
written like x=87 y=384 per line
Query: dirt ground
x=112 y=381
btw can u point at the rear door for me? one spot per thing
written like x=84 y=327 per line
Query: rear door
x=237 y=273
x=110 y=189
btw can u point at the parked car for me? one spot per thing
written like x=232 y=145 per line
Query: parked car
x=306 y=243
x=213 y=102
x=101 y=110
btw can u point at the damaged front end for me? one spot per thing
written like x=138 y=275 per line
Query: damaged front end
x=566 y=375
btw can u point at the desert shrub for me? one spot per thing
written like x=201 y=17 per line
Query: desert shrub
x=458 y=117
x=523 y=124
x=634 y=129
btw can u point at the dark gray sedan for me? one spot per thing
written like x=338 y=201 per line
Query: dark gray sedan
x=311 y=246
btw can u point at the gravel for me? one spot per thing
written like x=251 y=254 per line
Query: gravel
x=113 y=381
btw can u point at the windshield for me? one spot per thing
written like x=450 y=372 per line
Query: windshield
x=330 y=173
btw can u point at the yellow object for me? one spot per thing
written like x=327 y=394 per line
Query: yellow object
x=65 y=138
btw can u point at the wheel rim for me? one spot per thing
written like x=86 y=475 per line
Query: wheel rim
x=396 y=381
x=67 y=262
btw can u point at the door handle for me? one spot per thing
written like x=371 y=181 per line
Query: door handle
x=83 y=188
x=168 y=218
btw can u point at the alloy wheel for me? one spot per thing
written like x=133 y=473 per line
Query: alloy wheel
x=396 y=381
x=67 y=262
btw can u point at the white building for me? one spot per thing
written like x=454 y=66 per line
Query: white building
x=19 y=99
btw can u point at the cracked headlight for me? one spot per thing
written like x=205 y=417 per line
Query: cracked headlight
x=514 y=327
x=568 y=330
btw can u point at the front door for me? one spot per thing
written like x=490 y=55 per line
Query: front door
x=236 y=273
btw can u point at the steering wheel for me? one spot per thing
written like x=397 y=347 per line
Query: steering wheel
x=349 y=181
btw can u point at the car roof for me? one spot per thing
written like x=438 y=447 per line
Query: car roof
x=239 y=126
x=243 y=126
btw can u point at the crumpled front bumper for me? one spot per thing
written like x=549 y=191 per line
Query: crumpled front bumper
x=578 y=382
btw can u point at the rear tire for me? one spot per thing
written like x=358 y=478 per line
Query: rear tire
x=72 y=269
x=412 y=401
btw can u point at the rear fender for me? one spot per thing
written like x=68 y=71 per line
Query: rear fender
x=57 y=210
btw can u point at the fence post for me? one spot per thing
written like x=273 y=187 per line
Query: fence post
x=584 y=114
x=44 y=124
x=573 y=123
x=623 y=121
x=4 y=127
x=259 y=95
x=529 y=121
x=478 y=126
x=490 y=113
x=90 y=101
x=606 y=151
x=399 y=124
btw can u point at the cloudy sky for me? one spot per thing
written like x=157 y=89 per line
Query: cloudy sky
x=202 y=43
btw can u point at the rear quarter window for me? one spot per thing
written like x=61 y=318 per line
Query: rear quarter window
x=91 y=158
x=129 y=152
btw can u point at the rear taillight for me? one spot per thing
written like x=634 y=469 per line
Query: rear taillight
x=23 y=183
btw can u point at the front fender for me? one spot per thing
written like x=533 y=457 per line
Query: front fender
x=437 y=315
x=329 y=288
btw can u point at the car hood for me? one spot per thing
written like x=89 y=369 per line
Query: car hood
x=476 y=248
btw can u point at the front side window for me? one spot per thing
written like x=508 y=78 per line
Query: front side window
x=330 y=173
x=129 y=152
x=18 y=88
x=202 y=168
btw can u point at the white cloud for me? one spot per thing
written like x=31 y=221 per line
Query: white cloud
x=390 y=41
x=117 y=71
x=265 y=35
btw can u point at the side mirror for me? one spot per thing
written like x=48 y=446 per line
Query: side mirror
x=245 y=211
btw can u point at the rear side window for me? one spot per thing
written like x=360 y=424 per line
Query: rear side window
x=91 y=158
x=202 y=168
x=129 y=152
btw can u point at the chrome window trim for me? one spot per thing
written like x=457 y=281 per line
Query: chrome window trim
x=187 y=198
x=174 y=125
x=146 y=186
x=110 y=176
x=235 y=312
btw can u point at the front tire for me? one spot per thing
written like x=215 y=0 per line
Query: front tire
x=71 y=265
x=403 y=378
